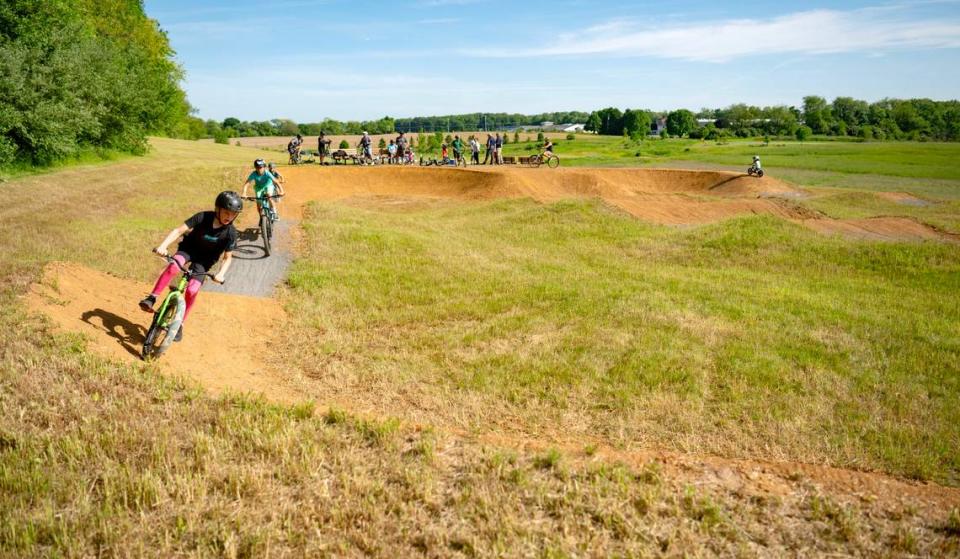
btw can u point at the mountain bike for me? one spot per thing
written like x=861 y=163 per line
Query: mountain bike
x=551 y=160
x=754 y=170
x=168 y=319
x=267 y=218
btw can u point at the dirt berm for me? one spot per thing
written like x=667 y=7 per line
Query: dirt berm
x=664 y=196
x=657 y=195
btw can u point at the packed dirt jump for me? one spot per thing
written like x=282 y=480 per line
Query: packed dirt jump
x=672 y=197
x=664 y=196
x=103 y=308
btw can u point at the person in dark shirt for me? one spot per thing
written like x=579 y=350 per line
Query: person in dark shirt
x=490 y=155
x=401 y=147
x=323 y=146
x=206 y=237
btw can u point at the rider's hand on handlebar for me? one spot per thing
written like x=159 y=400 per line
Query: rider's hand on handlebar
x=218 y=278
x=161 y=251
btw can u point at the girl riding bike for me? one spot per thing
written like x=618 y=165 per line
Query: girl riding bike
x=206 y=237
x=264 y=183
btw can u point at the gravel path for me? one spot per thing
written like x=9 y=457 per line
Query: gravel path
x=252 y=272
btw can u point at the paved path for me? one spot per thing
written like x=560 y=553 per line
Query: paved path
x=253 y=272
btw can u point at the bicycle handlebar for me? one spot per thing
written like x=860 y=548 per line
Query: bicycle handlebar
x=255 y=198
x=190 y=273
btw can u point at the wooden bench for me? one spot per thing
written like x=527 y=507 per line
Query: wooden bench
x=509 y=160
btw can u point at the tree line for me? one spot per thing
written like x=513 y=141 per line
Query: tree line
x=887 y=119
x=85 y=74
x=234 y=128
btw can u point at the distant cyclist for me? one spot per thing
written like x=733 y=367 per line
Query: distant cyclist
x=547 y=147
x=264 y=183
x=207 y=236
x=294 y=147
x=756 y=162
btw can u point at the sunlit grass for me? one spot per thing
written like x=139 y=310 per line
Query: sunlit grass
x=748 y=337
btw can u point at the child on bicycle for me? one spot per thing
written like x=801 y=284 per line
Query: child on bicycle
x=264 y=183
x=756 y=162
x=443 y=152
x=278 y=183
x=206 y=237
x=547 y=147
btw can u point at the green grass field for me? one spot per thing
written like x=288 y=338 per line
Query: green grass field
x=450 y=321
x=751 y=337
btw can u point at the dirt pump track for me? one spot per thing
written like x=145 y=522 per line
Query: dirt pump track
x=103 y=307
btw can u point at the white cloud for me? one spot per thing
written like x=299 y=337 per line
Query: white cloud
x=811 y=32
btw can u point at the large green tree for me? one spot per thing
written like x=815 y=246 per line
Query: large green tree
x=681 y=122
x=84 y=74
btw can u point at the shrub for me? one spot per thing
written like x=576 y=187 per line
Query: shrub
x=344 y=144
x=8 y=151
x=803 y=133
x=539 y=136
x=570 y=136
x=221 y=137
x=382 y=144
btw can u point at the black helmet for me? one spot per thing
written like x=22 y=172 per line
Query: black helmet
x=229 y=200
x=259 y=163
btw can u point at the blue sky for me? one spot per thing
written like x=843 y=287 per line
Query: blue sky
x=362 y=59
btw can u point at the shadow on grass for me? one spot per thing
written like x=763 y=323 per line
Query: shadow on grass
x=129 y=335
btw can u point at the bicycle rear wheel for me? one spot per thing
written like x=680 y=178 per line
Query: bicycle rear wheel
x=553 y=162
x=265 y=231
x=164 y=328
x=535 y=161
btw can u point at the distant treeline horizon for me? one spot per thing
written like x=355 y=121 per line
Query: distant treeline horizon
x=886 y=119
x=82 y=76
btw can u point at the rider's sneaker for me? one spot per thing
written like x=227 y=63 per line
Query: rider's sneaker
x=179 y=335
x=146 y=305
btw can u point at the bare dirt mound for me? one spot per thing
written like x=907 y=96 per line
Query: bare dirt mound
x=664 y=196
x=222 y=347
x=880 y=229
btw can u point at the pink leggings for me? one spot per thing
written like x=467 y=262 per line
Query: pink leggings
x=193 y=286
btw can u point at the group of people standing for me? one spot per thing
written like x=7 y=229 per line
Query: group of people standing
x=399 y=150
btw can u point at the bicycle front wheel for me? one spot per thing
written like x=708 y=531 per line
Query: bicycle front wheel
x=553 y=162
x=165 y=327
x=265 y=232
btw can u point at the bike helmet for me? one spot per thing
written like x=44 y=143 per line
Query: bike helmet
x=229 y=200
x=259 y=163
x=756 y=158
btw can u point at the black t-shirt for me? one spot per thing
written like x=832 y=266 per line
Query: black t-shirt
x=205 y=243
